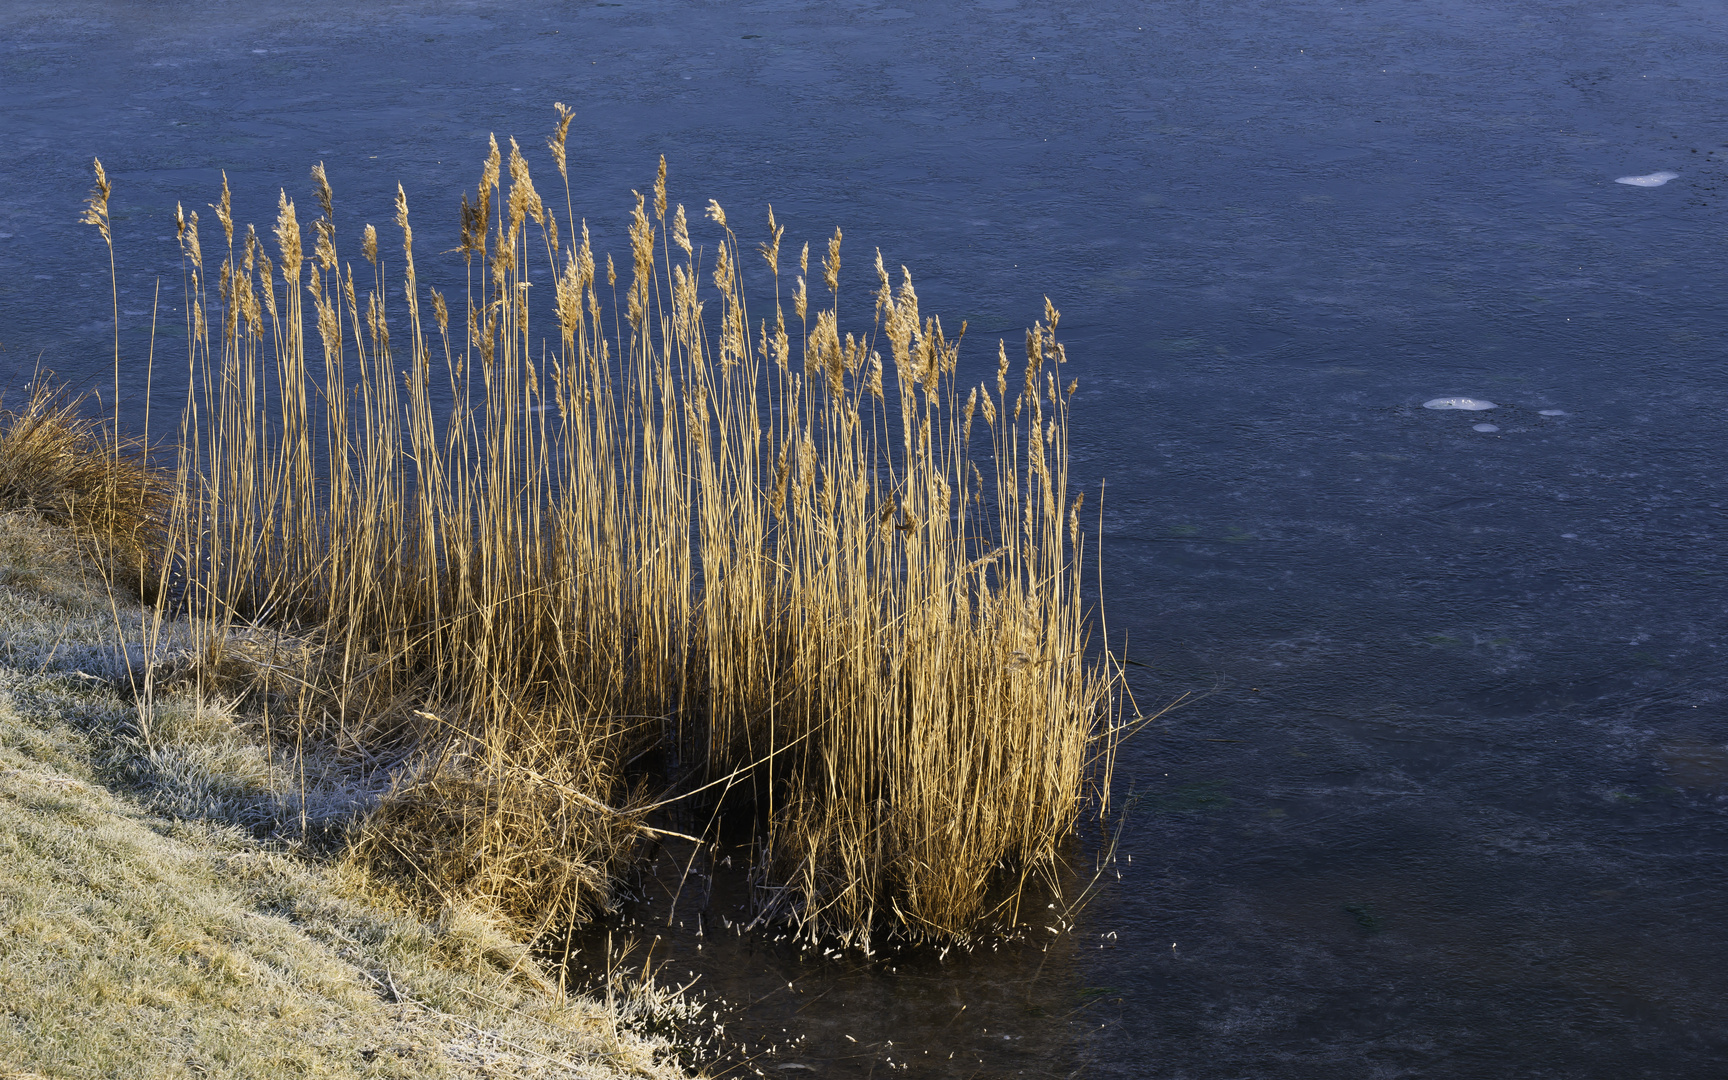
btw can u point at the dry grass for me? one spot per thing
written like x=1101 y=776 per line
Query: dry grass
x=61 y=463
x=138 y=945
x=833 y=589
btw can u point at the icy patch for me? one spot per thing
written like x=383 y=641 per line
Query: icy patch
x=1655 y=179
x=1468 y=404
x=1552 y=412
x=1486 y=429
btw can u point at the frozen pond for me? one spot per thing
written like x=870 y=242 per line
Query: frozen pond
x=1452 y=799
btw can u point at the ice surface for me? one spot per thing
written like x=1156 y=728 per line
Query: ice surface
x=1655 y=179
x=1469 y=404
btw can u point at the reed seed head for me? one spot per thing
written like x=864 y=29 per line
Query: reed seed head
x=246 y=299
x=831 y=265
x=266 y=282
x=186 y=230
x=192 y=246
x=288 y=239
x=771 y=249
x=884 y=292
x=402 y=223
x=468 y=243
x=932 y=355
x=524 y=200
x=642 y=257
x=825 y=356
x=223 y=212
x=556 y=142
x=716 y=214
x=489 y=171
x=483 y=197
x=96 y=206
x=723 y=270
x=777 y=498
x=329 y=326
x=324 y=248
x=369 y=245
x=348 y=289
x=375 y=322
x=585 y=261
x=568 y=302
x=681 y=232
x=326 y=200
x=660 y=191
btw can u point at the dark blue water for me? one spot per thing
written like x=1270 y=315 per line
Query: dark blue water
x=1453 y=801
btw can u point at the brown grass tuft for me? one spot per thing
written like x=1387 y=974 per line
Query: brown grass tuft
x=57 y=462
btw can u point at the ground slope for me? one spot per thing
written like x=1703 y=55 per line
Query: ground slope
x=138 y=943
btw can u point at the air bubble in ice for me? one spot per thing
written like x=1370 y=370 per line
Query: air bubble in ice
x=1486 y=428
x=1655 y=179
x=1552 y=412
x=1469 y=404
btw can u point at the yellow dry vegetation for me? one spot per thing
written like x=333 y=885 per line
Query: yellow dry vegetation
x=579 y=516
x=137 y=944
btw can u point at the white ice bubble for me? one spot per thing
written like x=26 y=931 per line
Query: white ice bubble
x=1655 y=179
x=1468 y=404
x=1486 y=429
x=1552 y=412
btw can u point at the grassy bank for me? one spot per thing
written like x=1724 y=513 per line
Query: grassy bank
x=145 y=932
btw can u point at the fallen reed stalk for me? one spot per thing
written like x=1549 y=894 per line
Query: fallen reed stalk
x=523 y=555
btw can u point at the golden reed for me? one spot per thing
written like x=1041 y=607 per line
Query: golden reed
x=530 y=543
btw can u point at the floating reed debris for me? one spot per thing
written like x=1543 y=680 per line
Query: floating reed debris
x=823 y=581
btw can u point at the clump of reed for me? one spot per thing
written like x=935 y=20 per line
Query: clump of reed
x=825 y=582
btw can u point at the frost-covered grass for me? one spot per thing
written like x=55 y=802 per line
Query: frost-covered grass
x=145 y=930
